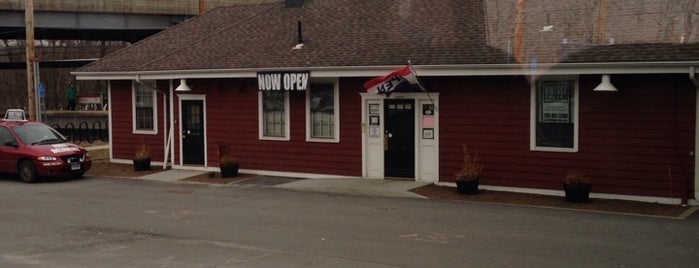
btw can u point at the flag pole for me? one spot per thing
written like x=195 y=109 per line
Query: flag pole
x=419 y=83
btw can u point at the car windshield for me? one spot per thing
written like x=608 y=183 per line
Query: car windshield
x=35 y=134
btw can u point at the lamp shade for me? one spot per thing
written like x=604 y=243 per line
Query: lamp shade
x=183 y=86
x=605 y=85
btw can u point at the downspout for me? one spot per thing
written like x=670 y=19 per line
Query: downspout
x=172 y=126
x=692 y=77
x=165 y=125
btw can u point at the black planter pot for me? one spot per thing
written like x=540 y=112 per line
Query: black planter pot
x=579 y=192
x=141 y=164
x=467 y=186
x=229 y=171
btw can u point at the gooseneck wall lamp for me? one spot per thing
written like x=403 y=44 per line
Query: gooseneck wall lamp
x=605 y=85
x=183 y=86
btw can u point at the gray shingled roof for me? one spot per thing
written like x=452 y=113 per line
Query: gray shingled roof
x=335 y=33
x=340 y=33
x=636 y=53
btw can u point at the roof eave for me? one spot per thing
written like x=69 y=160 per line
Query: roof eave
x=668 y=67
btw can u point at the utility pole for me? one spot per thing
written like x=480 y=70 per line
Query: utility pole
x=602 y=22
x=518 y=52
x=29 y=42
x=202 y=6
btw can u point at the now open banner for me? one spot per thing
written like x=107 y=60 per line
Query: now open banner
x=288 y=81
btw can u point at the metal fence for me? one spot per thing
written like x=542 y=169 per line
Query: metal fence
x=84 y=131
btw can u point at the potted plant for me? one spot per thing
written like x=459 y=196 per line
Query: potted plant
x=229 y=166
x=141 y=160
x=468 y=178
x=577 y=187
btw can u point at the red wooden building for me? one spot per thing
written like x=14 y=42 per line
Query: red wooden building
x=281 y=87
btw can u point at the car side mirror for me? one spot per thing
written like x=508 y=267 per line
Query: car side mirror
x=11 y=143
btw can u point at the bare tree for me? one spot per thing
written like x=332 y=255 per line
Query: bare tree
x=55 y=80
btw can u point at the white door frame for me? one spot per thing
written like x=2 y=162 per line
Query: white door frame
x=426 y=148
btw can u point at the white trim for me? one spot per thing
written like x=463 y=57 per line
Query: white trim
x=372 y=162
x=532 y=115
x=296 y=174
x=648 y=199
x=285 y=174
x=696 y=148
x=135 y=85
x=130 y=162
x=668 y=67
x=287 y=119
x=369 y=147
x=429 y=162
x=201 y=97
x=336 y=111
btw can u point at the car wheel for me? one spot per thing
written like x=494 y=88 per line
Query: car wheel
x=27 y=172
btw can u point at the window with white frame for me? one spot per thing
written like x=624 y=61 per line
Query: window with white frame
x=144 y=108
x=274 y=115
x=555 y=115
x=322 y=113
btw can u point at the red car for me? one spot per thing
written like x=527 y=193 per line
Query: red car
x=33 y=150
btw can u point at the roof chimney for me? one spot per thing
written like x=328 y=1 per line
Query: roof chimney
x=294 y=3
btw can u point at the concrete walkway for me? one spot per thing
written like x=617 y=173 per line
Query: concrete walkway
x=351 y=186
x=172 y=175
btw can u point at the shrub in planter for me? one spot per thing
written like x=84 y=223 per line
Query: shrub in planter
x=141 y=160
x=468 y=178
x=577 y=187
x=229 y=166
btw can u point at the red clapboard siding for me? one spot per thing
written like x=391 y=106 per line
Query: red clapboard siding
x=635 y=141
x=232 y=121
x=124 y=141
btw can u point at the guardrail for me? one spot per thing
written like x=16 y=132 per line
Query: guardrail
x=85 y=131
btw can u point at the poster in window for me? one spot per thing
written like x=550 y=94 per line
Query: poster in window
x=374 y=131
x=374 y=109
x=427 y=109
x=555 y=101
x=428 y=133
x=427 y=121
x=374 y=120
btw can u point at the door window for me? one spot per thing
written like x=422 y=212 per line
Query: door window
x=5 y=136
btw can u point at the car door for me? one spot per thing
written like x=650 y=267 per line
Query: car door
x=8 y=152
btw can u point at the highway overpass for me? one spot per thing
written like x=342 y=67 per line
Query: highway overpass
x=120 y=20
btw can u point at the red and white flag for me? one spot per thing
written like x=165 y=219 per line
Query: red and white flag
x=387 y=84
